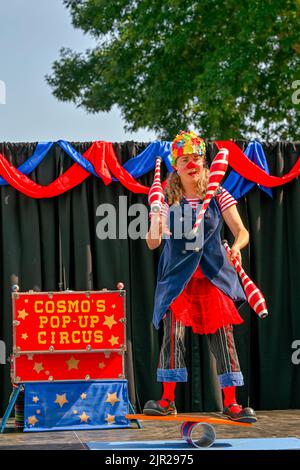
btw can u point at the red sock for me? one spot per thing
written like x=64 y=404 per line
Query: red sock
x=230 y=398
x=168 y=392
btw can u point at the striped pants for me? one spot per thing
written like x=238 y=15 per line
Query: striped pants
x=171 y=366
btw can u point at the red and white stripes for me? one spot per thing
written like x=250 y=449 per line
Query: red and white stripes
x=217 y=171
x=225 y=200
x=254 y=296
x=156 y=197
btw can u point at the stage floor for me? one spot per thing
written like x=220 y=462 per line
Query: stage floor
x=270 y=424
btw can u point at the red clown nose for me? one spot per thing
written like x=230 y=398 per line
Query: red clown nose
x=192 y=165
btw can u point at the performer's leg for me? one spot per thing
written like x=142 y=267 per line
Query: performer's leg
x=171 y=366
x=223 y=348
x=168 y=394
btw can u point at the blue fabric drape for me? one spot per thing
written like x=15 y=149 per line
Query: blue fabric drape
x=41 y=152
x=138 y=166
x=145 y=161
x=236 y=184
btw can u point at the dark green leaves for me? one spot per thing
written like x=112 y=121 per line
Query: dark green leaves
x=225 y=68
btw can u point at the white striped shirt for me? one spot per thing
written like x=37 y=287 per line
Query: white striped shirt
x=224 y=199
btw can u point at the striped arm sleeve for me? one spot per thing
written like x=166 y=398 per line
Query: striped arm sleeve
x=225 y=200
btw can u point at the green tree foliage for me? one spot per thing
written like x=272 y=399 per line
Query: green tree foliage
x=225 y=68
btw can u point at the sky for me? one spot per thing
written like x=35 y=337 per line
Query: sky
x=31 y=35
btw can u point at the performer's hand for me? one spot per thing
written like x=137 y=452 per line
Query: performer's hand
x=235 y=253
x=165 y=229
x=159 y=226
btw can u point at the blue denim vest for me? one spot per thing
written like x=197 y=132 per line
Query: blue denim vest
x=177 y=264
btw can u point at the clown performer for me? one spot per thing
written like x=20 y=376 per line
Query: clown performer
x=196 y=286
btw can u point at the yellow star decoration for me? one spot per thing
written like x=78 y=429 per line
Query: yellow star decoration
x=101 y=365
x=109 y=321
x=114 y=340
x=35 y=399
x=110 y=419
x=38 y=412
x=72 y=363
x=30 y=357
x=61 y=399
x=38 y=366
x=112 y=398
x=83 y=396
x=84 y=417
x=22 y=314
x=24 y=336
x=32 y=420
x=113 y=306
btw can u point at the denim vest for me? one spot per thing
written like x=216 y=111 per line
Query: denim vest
x=178 y=263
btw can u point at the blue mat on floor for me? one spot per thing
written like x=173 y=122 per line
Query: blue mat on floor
x=288 y=443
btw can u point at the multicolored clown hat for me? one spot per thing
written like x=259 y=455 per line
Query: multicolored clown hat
x=187 y=143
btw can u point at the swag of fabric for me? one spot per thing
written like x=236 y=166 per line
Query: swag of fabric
x=100 y=160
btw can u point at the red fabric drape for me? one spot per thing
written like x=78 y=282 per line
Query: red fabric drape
x=68 y=180
x=242 y=165
x=118 y=171
x=102 y=156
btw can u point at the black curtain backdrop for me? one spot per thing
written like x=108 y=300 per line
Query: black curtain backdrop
x=48 y=242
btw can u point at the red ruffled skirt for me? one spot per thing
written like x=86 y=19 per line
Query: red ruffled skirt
x=203 y=306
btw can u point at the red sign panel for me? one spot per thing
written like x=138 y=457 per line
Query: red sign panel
x=68 y=321
x=64 y=367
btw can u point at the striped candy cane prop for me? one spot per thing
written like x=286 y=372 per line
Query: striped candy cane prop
x=217 y=171
x=254 y=296
x=156 y=197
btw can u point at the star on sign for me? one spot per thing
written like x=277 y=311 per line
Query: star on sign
x=24 y=336
x=110 y=419
x=61 y=399
x=112 y=398
x=72 y=363
x=101 y=365
x=109 y=321
x=30 y=357
x=84 y=417
x=32 y=420
x=83 y=396
x=22 y=314
x=38 y=366
x=113 y=306
x=35 y=399
x=114 y=340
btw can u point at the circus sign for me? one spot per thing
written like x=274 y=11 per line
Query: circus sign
x=68 y=321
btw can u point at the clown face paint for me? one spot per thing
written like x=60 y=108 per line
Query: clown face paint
x=189 y=166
